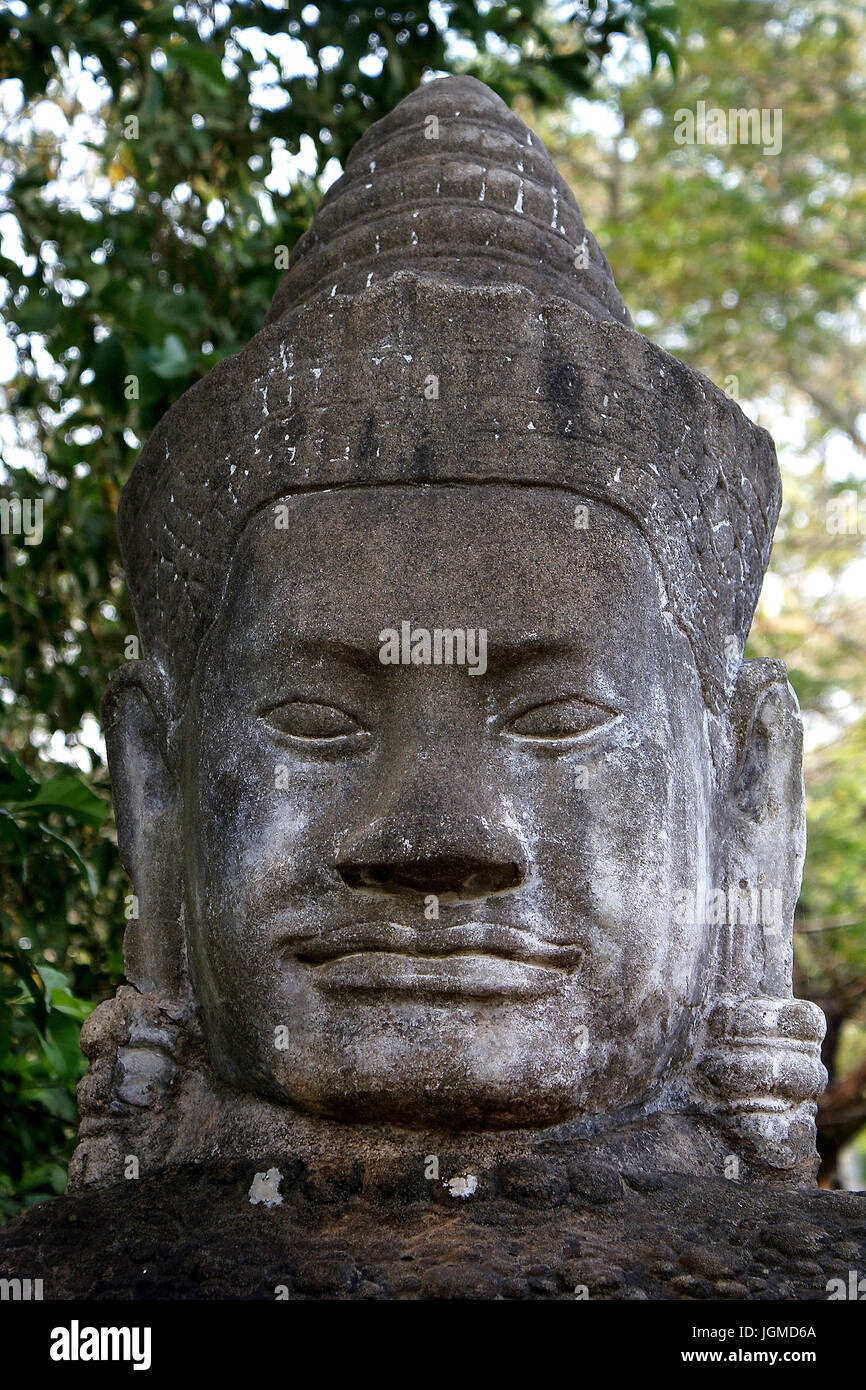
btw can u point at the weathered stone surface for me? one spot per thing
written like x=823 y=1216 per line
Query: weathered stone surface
x=193 y=1234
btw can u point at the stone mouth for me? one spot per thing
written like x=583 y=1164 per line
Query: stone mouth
x=467 y=974
x=478 y=940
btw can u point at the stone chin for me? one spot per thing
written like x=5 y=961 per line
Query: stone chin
x=412 y=1068
x=442 y=1057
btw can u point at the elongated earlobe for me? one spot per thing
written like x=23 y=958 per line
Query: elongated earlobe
x=143 y=1042
x=136 y=717
x=765 y=817
x=760 y=1065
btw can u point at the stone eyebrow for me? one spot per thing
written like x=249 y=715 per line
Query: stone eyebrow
x=362 y=655
x=531 y=650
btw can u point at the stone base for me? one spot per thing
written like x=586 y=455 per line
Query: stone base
x=527 y=1231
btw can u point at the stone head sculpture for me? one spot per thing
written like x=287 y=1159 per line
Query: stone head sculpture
x=449 y=800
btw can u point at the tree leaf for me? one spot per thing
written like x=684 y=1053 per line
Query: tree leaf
x=68 y=794
x=203 y=64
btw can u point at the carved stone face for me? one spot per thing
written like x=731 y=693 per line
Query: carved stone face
x=551 y=809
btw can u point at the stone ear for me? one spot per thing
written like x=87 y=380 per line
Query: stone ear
x=765 y=719
x=760 y=1064
x=766 y=824
x=138 y=728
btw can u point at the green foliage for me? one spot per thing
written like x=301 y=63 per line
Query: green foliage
x=40 y=1015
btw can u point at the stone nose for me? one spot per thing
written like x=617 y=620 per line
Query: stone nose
x=421 y=844
x=435 y=826
x=459 y=877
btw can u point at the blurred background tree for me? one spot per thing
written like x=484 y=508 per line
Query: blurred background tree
x=154 y=157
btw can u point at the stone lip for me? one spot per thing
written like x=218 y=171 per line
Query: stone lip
x=530 y=1229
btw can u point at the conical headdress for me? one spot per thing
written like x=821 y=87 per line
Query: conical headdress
x=448 y=318
x=451 y=183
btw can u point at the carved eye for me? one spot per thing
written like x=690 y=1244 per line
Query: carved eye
x=307 y=719
x=560 y=720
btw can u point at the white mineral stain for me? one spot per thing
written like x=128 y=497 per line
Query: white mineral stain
x=264 y=1189
x=463 y=1186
